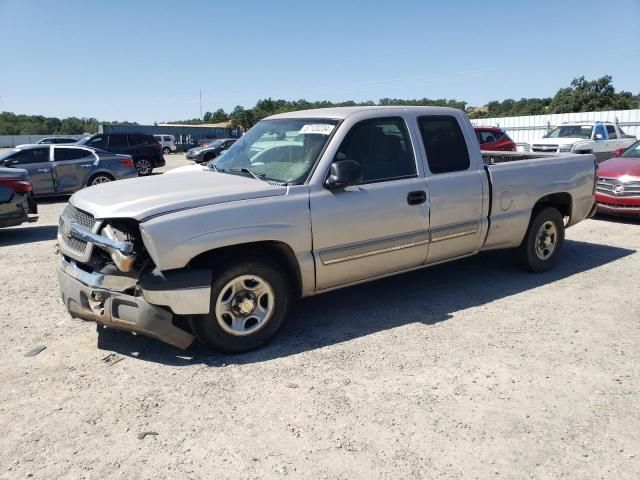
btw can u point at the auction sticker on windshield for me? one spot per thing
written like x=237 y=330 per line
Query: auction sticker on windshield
x=317 y=128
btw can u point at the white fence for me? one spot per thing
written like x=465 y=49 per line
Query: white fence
x=532 y=127
x=13 y=140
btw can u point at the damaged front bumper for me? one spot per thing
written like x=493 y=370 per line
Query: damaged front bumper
x=146 y=305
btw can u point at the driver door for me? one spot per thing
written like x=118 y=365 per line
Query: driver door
x=379 y=226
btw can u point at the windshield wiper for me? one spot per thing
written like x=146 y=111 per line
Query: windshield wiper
x=257 y=176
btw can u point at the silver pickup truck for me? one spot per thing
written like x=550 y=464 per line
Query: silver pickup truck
x=303 y=203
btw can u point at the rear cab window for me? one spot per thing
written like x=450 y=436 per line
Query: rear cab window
x=444 y=144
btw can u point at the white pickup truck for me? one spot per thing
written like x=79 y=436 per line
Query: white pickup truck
x=598 y=138
x=303 y=203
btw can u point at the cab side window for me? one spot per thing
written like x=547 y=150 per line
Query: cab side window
x=611 y=131
x=61 y=153
x=444 y=144
x=599 y=130
x=382 y=147
x=32 y=155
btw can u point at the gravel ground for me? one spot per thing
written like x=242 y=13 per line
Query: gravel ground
x=467 y=370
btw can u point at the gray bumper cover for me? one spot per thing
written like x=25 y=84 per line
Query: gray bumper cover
x=102 y=299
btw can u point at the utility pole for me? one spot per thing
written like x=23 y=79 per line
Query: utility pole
x=200 y=105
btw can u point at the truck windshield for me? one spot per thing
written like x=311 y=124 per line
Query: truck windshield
x=571 y=131
x=280 y=150
x=633 y=151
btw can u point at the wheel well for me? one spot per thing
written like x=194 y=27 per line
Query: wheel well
x=277 y=252
x=561 y=201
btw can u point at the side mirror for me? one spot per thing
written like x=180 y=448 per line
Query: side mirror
x=598 y=136
x=618 y=152
x=342 y=174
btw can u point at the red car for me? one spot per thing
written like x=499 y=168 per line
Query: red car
x=494 y=139
x=618 y=189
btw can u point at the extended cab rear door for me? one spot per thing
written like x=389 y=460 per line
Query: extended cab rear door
x=457 y=185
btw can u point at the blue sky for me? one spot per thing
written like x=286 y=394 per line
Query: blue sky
x=147 y=60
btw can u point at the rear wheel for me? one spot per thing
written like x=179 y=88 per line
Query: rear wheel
x=542 y=243
x=249 y=301
x=143 y=166
x=100 y=178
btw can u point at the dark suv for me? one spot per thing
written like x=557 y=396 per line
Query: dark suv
x=144 y=149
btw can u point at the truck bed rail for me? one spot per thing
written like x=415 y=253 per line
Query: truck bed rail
x=491 y=158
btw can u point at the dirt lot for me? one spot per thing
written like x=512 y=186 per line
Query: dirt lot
x=467 y=370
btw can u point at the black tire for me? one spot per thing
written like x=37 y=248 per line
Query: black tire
x=143 y=166
x=166 y=151
x=534 y=254
x=208 y=328
x=99 y=178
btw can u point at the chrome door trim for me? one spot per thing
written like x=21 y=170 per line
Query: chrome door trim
x=455 y=231
x=373 y=247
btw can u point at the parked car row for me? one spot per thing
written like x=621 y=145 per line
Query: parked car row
x=63 y=169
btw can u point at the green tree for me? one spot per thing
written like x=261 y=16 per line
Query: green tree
x=588 y=96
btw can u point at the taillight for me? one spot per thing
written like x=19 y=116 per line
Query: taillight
x=127 y=163
x=157 y=146
x=16 y=184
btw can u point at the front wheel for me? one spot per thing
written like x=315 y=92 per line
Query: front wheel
x=249 y=302
x=166 y=151
x=143 y=167
x=542 y=243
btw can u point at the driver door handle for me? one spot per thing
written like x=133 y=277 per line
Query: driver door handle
x=43 y=170
x=416 y=198
x=86 y=165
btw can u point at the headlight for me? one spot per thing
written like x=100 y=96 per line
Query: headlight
x=565 y=148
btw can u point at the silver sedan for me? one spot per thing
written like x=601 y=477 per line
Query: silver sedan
x=64 y=169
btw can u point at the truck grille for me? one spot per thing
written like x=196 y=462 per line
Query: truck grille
x=545 y=148
x=615 y=188
x=83 y=219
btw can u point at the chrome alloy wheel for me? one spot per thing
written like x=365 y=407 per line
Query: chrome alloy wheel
x=245 y=305
x=143 y=166
x=100 y=179
x=546 y=240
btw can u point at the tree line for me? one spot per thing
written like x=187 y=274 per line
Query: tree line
x=12 y=124
x=580 y=96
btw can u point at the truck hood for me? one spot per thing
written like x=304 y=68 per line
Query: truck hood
x=558 y=141
x=619 y=167
x=144 y=197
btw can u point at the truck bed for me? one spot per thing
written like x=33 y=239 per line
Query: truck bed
x=519 y=180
